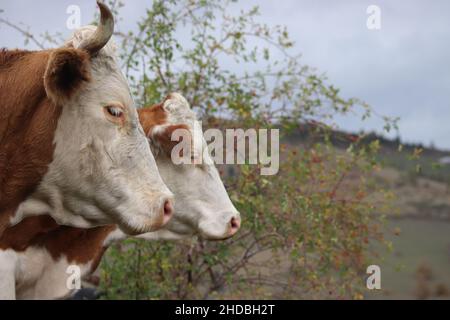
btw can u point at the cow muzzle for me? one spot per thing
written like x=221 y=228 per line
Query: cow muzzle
x=163 y=214
x=227 y=228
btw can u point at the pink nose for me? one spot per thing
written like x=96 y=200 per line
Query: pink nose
x=235 y=224
x=167 y=212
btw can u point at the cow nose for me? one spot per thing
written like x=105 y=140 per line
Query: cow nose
x=167 y=212
x=235 y=224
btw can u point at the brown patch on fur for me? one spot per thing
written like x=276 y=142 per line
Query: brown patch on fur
x=28 y=120
x=28 y=232
x=77 y=245
x=98 y=254
x=67 y=69
x=157 y=116
x=152 y=117
x=5 y=220
x=9 y=57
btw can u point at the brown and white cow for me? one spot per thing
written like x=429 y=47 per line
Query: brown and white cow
x=202 y=207
x=71 y=144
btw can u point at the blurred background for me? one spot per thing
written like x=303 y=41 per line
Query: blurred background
x=363 y=113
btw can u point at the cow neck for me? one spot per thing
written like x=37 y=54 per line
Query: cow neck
x=28 y=121
x=78 y=246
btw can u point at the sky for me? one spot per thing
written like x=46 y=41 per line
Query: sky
x=401 y=70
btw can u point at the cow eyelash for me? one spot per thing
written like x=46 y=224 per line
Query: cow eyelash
x=114 y=111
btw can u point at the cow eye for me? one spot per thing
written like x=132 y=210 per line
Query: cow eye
x=114 y=111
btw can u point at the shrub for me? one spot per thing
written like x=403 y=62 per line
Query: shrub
x=307 y=231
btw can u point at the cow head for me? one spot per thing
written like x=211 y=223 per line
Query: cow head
x=102 y=170
x=202 y=205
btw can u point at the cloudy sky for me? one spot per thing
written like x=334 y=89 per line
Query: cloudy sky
x=401 y=70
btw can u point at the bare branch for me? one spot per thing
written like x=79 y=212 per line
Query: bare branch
x=24 y=32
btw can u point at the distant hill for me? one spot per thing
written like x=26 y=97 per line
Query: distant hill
x=432 y=163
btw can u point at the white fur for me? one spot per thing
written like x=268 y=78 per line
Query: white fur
x=8 y=266
x=39 y=276
x=202 y=204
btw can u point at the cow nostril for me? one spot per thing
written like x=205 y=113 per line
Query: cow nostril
x=235 y=224
x=167 y=208
x=168 y=211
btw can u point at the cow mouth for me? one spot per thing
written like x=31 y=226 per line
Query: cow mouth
x=215 y=239
x=210 y=237
x=143 y=225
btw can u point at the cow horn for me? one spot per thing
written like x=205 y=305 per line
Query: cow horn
x=103 y=33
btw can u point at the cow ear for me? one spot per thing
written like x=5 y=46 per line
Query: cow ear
x=150 y=117
x=66 y=71
x=176 y=104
